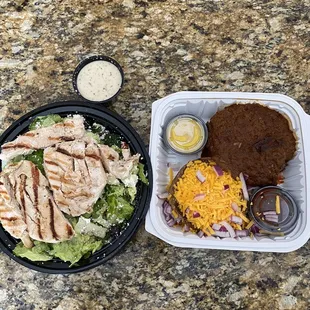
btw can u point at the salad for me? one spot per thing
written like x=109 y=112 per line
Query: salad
x=67 y=189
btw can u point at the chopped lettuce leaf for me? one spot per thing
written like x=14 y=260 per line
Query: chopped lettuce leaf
x=69 y=251
x=118 y=150
x=40 y=251
x=73 y=220
x=36 y=157
x=98 y=129
x=45 y=121
x=111 y=139
x=132 y=192
x=114 y=190
x=112 y=180
x=119 y=210
x=85 y=226
x=142 y=175
x=93 y=135
x=98 y=215
x=99 y=208
x=135 y=169
x=73 y=250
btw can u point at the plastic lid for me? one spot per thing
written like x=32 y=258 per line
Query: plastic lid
x=263 y=210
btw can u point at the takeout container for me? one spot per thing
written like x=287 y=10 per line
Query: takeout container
x=205 y=105
x=114 y=123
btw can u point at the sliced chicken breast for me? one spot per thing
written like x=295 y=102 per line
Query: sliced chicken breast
x=71 y=129
x=11 y=216
x=45 y=222
x=76 y=175
x=120 y=168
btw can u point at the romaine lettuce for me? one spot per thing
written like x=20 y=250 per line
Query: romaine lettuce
x=40 y=251
x=85 y=226
x=142 y=175
x=73 y=250
x=45 y=121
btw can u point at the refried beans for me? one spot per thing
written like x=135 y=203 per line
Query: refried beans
x=253 y=139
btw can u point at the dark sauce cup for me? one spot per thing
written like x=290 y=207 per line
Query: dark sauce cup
x=263 y=208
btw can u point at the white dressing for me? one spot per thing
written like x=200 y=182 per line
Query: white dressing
x=99 y=80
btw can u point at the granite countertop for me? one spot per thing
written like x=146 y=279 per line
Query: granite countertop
x=164 y=46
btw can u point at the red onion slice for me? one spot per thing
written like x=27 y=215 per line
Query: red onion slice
x=222 y=234
x=167 y=209
x=178 y=219
x=244 y=187
x=235 y=207
x=254 y=229
x=171 y=222
x=200 y=177
x=242 y=233
x=236 y=219
x=223 y=228
x=168 y=217
x=186 y=228
x=229 y=229
x=272 y=218
x=226 y=188
x=200 y=233
x=196 y=214
x=199 y=197
x=218 y=170
x=163 y=195
x=270 y=213
x=216 y=226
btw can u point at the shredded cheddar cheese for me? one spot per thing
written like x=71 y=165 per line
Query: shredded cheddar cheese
x=250 y=225
x=206 y=203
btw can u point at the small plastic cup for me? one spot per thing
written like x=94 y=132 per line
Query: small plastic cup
x=92 y=59
x=263 y=211
x=199 y=145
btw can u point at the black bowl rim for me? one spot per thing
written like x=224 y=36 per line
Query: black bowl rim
x=80 y=104
x=88 y=60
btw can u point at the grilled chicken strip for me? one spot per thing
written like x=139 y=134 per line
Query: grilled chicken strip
x=71 y=129
x=76 y=175
x=45 y=222
x=120 y=168
x=11 y=216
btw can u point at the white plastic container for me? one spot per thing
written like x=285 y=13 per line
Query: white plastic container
x=205 y=105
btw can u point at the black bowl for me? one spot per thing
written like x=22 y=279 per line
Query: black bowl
x=88 y=60
x=115 y=123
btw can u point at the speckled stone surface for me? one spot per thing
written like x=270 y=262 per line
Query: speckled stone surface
x=164 y=47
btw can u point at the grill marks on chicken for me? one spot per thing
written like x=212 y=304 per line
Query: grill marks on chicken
x=76 y=175
x=70 y=129
x=11 y=216
x=40 y=216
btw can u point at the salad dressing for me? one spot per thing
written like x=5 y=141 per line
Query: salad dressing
x=185 y=135
x=99 y=80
